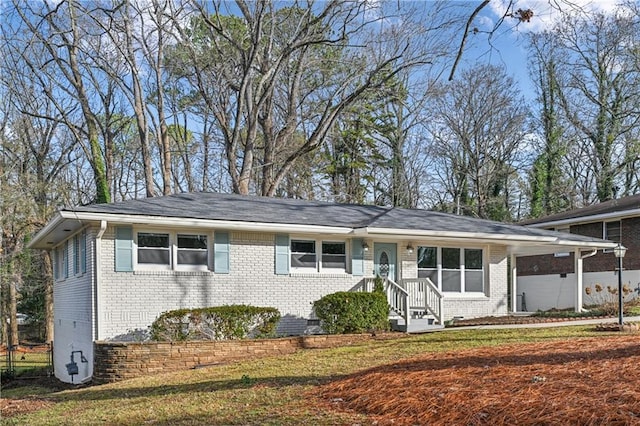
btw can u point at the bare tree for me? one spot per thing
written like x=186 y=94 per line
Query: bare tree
x=551 y=189
x=273 y=73
x=601 y=96
x=478 y=125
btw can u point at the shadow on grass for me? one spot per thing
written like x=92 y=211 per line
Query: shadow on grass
x=101 y=393
x=424 y=363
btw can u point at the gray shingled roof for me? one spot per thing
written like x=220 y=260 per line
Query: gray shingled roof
x=612 y=206
x=231 y=207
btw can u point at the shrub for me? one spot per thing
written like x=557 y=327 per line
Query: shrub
x=378 y=284
x=216 y=323
x=349 y=312
x=606 y=299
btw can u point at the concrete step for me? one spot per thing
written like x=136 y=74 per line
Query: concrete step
x=416 y=325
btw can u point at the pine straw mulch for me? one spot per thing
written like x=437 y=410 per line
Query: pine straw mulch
x=593 y=381
x=14 y=407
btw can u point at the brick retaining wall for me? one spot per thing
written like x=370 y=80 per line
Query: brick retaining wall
x=114 y=361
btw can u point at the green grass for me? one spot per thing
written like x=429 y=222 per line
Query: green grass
x=267 y=391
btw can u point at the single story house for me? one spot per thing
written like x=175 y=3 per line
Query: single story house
x=548 y=281
x=118 y=266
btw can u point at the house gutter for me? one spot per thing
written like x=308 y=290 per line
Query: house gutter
x=96 y=278
x=181 y=222
x=587 y=219
x=452 y=235
x=589 y=254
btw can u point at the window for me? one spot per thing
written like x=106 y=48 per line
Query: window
x=303 y=254
x=192 y=250
x=334 y=256
x=62 y=264
x=428 y=263
x=452 y=269
x=153 y=249
x=473 y=273
x=150 y=250
x=451 y=276
x=612 y=231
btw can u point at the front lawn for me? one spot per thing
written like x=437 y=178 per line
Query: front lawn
x=317 y=386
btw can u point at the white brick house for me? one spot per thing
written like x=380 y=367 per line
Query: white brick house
x=118 y=266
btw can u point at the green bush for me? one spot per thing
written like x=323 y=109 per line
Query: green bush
x=349 y=312
x=216 y=323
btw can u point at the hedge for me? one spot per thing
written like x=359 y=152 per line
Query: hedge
x=216 y=323
x=351 y=312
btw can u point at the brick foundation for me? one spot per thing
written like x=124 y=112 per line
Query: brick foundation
x=114 y=361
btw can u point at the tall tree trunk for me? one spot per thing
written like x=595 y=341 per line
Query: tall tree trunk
x=103 y=194
x=47 y=275
x=139 y=107
x=165 y=142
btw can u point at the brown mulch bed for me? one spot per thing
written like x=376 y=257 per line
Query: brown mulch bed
x=14 y=407
x=10 y=407
x=519 y=319
x=593 y=381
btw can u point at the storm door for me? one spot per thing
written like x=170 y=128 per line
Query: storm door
x=385 y=260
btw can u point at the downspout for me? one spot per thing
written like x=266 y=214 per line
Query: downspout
x=96 y=277
x=579 y=276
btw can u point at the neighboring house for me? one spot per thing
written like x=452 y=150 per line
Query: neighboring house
x=118 y=266
x=549 y=281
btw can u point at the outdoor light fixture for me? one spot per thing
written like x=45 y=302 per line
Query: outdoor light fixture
x=620 y=251
x=365 y=247
x=410 y=248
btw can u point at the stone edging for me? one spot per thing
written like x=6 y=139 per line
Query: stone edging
x=115 y=361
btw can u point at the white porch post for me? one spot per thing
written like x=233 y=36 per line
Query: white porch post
x=514 y=285
x=578 y=270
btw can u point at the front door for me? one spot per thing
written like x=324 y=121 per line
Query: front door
x=385 y=260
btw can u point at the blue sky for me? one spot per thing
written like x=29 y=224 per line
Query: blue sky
x=507 y=45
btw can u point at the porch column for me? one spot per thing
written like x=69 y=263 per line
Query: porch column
x=514 y=284
x=577 y=255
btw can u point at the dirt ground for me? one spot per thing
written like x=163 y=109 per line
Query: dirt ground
x=579 y=382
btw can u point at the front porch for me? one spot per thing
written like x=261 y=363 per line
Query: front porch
x=415 y=304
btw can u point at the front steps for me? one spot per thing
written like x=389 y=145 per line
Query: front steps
x=416 y=325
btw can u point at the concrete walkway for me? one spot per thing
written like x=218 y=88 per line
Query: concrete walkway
x=610 y=320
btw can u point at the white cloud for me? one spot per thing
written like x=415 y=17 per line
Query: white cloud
x=547 y=12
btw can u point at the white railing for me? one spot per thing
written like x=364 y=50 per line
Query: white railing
x=417 y=294
x=424 y=296
x=397 y=296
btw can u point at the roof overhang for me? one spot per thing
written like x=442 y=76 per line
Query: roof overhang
x=559 y=246
x=66 y=223
x=519 y=245
x=587 y=219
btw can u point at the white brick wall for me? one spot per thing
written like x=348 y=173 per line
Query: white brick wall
x=495 y=302
x=132 y=300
